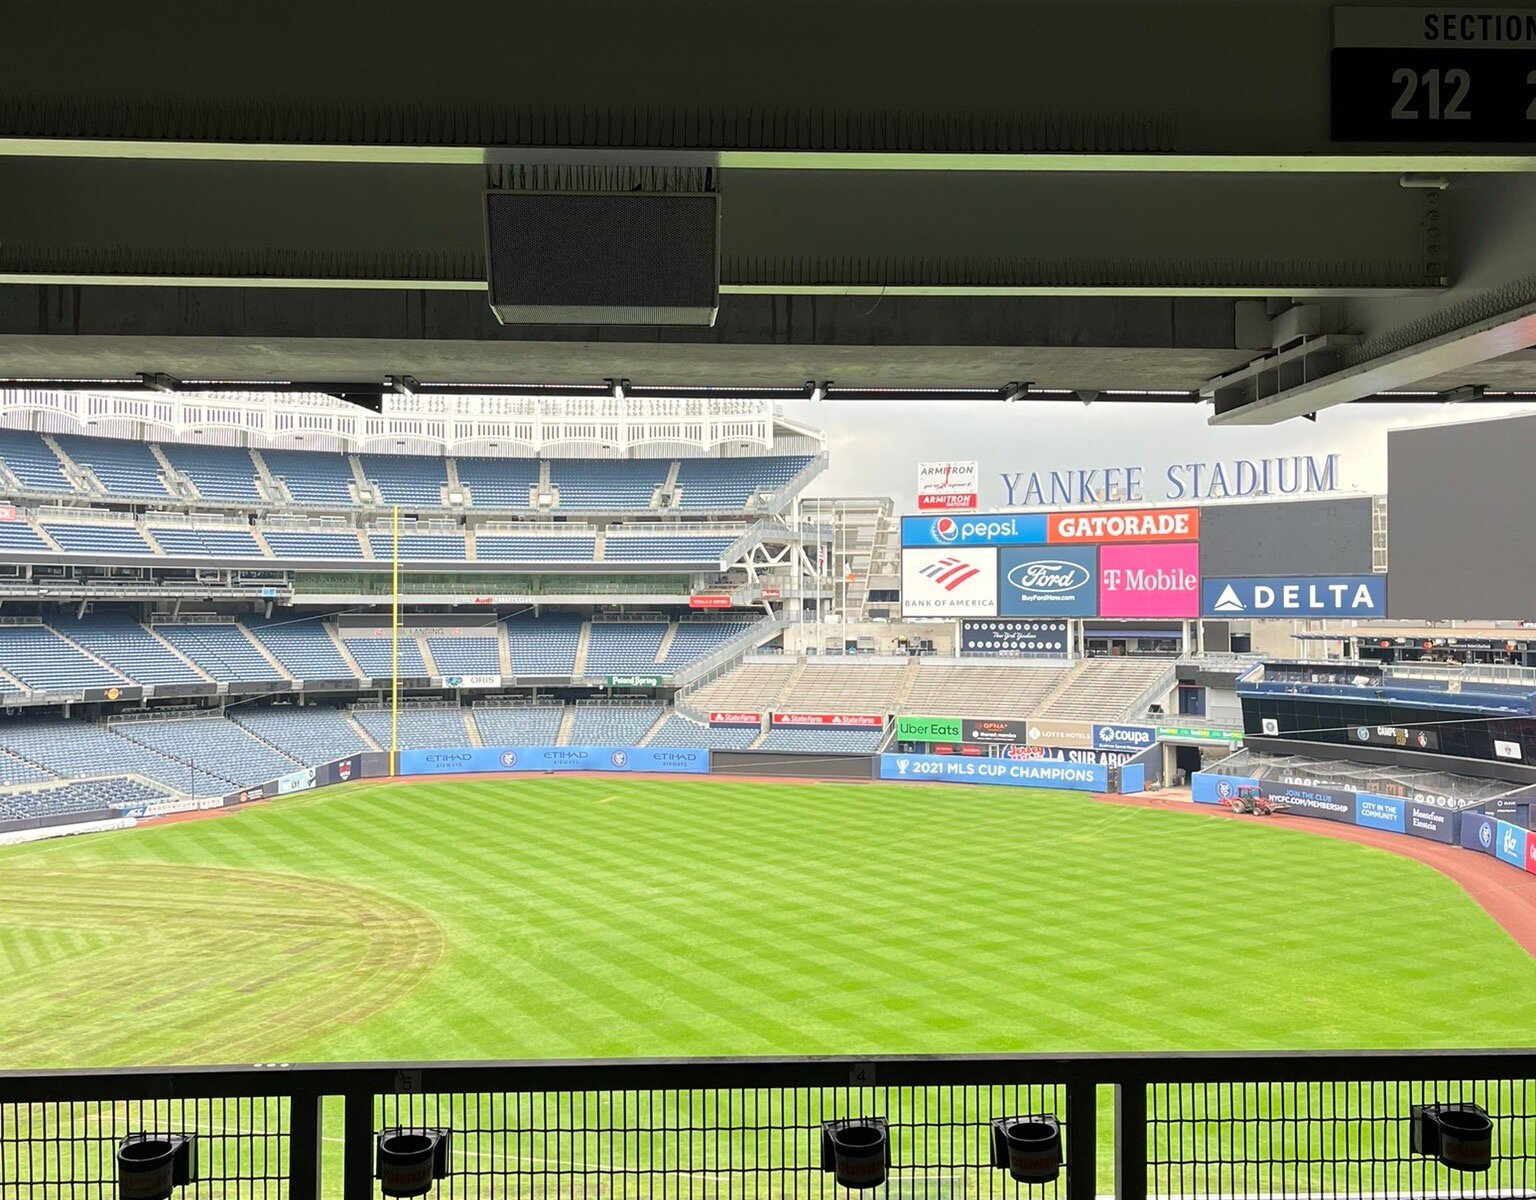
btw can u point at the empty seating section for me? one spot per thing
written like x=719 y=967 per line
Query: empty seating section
x=313 y=478
x=498 y=482
x=438 y=547
x=982 y=690
x=834 y=687
x=544 y=645
x=751 y=687
x=311 y=735
x=518 y=725
x=465 y=655
x=18 y=535
x=624 y=647
x=823 y=741
x=302 y=645
x=613 y=724
x=220 y=648
x=217 y=472
x=420 y=728
x=32 y=461
x=289 y=544
x=45 y=662
x=607 y=485
x=375 y=657
x=97 y=539
x=123 y=467
x=729 y=483
x=15 y=770
x=130 y=648
x=212 y=743
x=681 y=733
x=643 y=548
x=495 y=547
x=92 y=796
x=74 y=748
x=406 y=479
x=206 y=543
x=1104 y=689
x=698 y=639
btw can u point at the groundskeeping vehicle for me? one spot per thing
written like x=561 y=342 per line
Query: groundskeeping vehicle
x=1250 y=799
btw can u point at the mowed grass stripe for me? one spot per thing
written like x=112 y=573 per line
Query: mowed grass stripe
x=588 y=917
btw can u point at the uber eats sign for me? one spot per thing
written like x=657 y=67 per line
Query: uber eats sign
x=928 y=729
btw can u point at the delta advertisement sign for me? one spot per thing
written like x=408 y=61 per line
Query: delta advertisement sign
x=543 y=759
x=1362 y=596
x=1135 y=563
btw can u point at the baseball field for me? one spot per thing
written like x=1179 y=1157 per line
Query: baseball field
x=576 y=917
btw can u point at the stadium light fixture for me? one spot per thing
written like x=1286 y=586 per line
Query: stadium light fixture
x=617 y=387
x=401 y=385
x=817 y=392
x=1012 y=393
x=159 y=381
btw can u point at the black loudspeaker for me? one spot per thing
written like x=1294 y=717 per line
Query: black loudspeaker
x=603 y=258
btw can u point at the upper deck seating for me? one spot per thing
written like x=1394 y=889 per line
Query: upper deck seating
x=124 y=468
x=217 y=472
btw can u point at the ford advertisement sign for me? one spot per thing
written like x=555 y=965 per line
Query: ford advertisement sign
x=994 y=772
x=1057 y=581
x=1320 y=596
x=1014 y=530
x=535 y=759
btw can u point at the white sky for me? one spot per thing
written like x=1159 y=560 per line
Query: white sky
x=875 y=446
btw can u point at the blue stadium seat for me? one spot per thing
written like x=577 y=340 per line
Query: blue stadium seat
x=518 y=725
x=824 y=741
x=129 y=647
x=213 y=743
x=647 y=548
x=45 y=662
x=679 y=732
x=374 y=656
x=727 y=484
x=416 y=546
x=206 y=543
x=544 y=646
x=220 y=649
x=406 y=479
x=420 y=728
x=465 y=655
x=529 y=549
x=313 y=545
x=624 y=648
x=498 y=482
x=302 y=645
x=18 y=535
x=218 y=472
x=32 y=461
x=74 y=748
x=607 y=484
x=313 y=477
x=699 y=639
x=613 y=724
x=125 y=468
x=311 y=734
x=97 y=539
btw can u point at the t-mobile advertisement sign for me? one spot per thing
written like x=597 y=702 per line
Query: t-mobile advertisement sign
x=1149 y=581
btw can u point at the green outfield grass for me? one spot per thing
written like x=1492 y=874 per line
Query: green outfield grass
x=575 y=917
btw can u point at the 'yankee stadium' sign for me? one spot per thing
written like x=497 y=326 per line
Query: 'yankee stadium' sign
x=1300 y=474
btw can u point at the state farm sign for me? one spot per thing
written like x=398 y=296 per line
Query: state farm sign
x=856 y=720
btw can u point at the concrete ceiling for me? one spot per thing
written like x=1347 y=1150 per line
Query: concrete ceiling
x=1122 y=195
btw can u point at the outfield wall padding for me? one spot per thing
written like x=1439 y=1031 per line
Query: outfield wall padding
x=792 y=765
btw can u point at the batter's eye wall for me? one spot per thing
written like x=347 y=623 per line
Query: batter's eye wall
x=1461 y=526
x=1304 y=537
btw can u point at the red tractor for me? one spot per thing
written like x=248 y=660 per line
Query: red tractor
x=1250 y=799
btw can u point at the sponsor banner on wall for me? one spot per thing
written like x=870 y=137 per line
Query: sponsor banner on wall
x=294 y=781
x=929 y=729
x=1070 y=735
x=1479 y=832
x=1180 y=733
x=846 y=720
x=1051 y=581
x=527 y=759
x=736 y=718
x=1381 y=812
x=1530 y=852
x=1129 y=525
x=996 y=772
x=996 y=732
x=709 y=602
x=949 y=583
x=7 y=512
x=1436 y=824
x=1329 y=804
x=948 y=486
x=1123 y=737
x=468 y=681
x=1290 y=598
x=343 y=770
x=1004 y=638
x=634 y=681
x=1503 y=749
x=1400 y=736
x=1018 y=529
x=111 y=694
x=1149 y=581
x=1108 y=758
x=1509 y=843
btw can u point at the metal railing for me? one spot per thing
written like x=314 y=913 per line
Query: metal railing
x=1215 y=1126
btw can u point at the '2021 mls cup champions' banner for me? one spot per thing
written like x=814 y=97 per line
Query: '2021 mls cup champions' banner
x=1123 y=563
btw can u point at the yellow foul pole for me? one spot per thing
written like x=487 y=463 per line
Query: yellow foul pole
x=394 y=647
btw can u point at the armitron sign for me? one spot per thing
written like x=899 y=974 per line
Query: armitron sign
x=947 y=486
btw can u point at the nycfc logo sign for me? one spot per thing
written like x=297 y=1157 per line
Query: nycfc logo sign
x=620 y=759
x=1049 y=577
x=509 y=758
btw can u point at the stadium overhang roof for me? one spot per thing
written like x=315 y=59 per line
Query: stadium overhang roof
x=1123 y=200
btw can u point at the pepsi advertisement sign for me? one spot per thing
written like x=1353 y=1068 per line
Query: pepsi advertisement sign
x=1020 y=529
x=1048 y=581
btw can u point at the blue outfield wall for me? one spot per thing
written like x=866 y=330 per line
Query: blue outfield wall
x=533 y=759
x=995 y=772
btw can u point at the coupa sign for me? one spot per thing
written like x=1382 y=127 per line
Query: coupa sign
x=1123 y=737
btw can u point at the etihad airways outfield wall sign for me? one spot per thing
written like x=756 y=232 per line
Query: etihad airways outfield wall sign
x=1319 y=596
